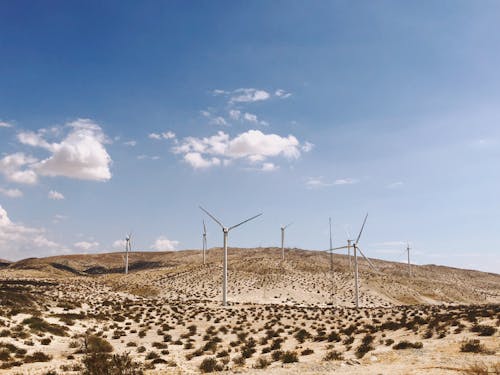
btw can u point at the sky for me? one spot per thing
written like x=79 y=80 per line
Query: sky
x=125 y=116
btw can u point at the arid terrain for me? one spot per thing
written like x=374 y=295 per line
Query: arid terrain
x=71 y=314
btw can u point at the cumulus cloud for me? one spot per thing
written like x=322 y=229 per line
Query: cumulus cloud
x=18 y=168
x=55 y=195
x=166 y=135
x=307 y=146
x=248 y=95
x=162 y=243
x=280 y=93
x=11 y=193
x=252 y=146
x=84 y=245
x=81 y=154
x=4 y=124
x=234 y=114
x=250 y=117
x=19 y=241
x=130 y=143
x=197 y=161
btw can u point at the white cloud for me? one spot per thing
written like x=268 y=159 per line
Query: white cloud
x=395 y=185
x=269 y=167
x=248 y=95
x=250 y=117
x=18 y=168
x=316 y=183
x=252 y=146
x=18 y=241
x=197 y=161
x=11 y=193
x=280 y=93
x=119 y=244
x=143 y=157
x=58 y=218
x=154 y=136
x=219 y=92
x=168 y=135
x=307 y=146
x=234 y=114
x=130 y=143
x=159 y=136
x=84 y=245
x=81 y=154
x=162 y=243
x=55 y=195
x=4 y=124
x=219 y=120
x=345 y=181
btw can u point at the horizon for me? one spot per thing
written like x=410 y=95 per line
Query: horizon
x=124 y=117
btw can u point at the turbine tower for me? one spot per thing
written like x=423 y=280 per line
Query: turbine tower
x=331 y=246
x=356 y=248
x=204 y=241
x=408 y=251
x=225 y=231
x=128 y=248
x=283 y=240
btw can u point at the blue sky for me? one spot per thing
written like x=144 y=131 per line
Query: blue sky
x=119 y=116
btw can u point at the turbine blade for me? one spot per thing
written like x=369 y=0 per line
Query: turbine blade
x=243 y=222
x=286 y=226
x=213 y=217
x=368 y=260
x=204 y=228
x=347 y=233
x=362 y=227
x=339 y=248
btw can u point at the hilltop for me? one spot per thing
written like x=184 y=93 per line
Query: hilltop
x=260 y=276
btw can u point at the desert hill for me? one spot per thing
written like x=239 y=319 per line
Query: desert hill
x=284 y=317
x=260 y=276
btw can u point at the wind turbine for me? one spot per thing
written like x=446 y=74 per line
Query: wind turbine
x=283 y=240
x=225 y=231
x=331 y=248
x=356 y=248
x=408 y=251
x=128 y=248
x=204 y=241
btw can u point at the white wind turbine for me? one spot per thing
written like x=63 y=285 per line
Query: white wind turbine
x=225 y=231
x=128 y=248
x=283 y=240
x=356 y=248
x=408 y=251
x=204 y=241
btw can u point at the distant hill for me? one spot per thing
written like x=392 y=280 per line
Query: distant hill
x=259 y=275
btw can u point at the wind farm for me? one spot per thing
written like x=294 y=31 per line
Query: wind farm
x=312 y=308
x=249 y=187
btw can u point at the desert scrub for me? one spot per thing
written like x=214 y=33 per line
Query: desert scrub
x=210 y=365
x=39 y=325
x=96 y=344
x=408 y=345
x=333 y=355
x=365 y=346
x=289 y=357
x=483 y=330
x=472 y=346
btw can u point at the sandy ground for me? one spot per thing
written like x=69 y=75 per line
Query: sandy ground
x=169 y=317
